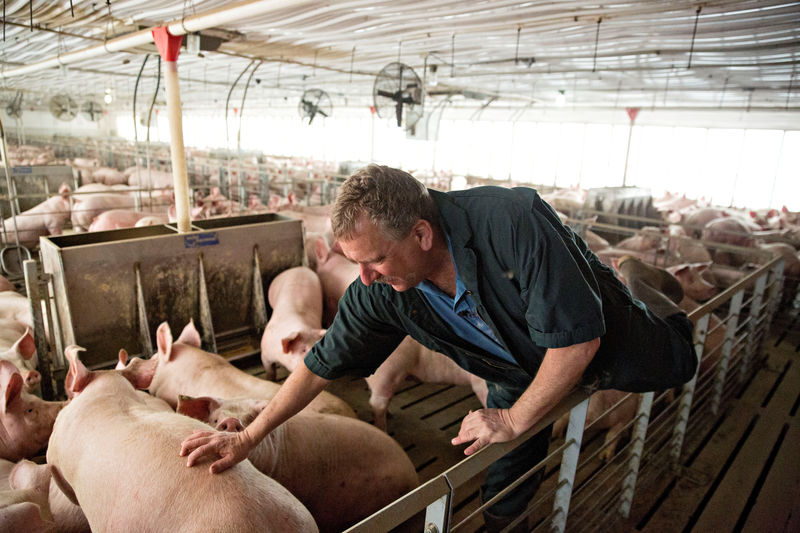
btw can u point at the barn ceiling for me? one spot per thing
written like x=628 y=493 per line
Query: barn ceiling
x=709 y=55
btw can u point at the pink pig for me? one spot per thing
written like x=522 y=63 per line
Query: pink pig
x=26 y=421
x=336 y=273
x=341 y=469
x=25 y=506
x=67 y=516
x=116 y=455
x=18 y=347
x=98 y=198
x=183 y=368
x=694 y=286
x=47 y=218
x=118 y=219
x=410 y=358
x=295 y=296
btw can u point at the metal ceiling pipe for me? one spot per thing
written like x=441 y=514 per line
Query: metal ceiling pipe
x=213 y=18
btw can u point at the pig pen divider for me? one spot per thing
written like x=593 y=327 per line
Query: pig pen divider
x=586 y=493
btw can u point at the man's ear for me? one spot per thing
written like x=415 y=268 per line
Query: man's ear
x=423 y=232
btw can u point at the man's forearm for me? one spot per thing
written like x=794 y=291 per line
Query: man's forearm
x=560 y=371
x=299 y=389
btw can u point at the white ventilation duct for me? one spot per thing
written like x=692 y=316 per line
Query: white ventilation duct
x=215 y=17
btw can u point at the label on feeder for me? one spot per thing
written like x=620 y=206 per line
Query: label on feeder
x=200 y=239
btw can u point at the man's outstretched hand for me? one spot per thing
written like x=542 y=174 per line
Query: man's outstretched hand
x=486 y=426
x=225 y=449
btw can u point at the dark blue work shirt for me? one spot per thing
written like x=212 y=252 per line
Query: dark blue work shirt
x=534 y=283
x=461 y=314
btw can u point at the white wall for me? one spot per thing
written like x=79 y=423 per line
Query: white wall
x=43 y=123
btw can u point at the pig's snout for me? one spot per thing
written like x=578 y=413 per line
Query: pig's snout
x=32 y=379
x=231 y=424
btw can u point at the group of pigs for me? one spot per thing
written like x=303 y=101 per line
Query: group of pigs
x=108 y=200
x=113 y=459
x=701 y=272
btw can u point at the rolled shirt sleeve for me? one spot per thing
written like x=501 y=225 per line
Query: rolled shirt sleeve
x=564 y=304
x=359 y=339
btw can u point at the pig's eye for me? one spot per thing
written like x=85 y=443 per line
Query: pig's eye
x=214 y=421
x=30 y=410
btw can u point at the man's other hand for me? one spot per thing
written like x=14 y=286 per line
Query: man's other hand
x=486 y=426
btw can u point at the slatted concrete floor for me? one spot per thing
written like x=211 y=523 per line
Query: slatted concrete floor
x=742 y=474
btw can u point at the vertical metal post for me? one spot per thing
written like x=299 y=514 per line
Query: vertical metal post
x=141 y=314
x=264 y=179
x=727 y=346
x=209 y=340
x=259 y=305
x=687 y=393
x=775 y=289
x=755 y=308
x=569 y=465
x=437 y=515
x=169 y=47
x=54 y=319
x=637 y=447
x=42 y=348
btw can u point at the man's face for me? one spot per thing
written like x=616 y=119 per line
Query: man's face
x=383 y=260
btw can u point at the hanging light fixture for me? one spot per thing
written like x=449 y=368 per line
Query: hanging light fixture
x=561 y=98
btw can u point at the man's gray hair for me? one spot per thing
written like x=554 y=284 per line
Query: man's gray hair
x=392 y=199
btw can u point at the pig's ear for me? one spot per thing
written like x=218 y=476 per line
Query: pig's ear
x=290 y=341
x=29 y=475
x=703 y=266
x=78 y=376
x=140 y=372
x=164 y=341
x=122 y=357
x=677 y=269
x=199 y=408
x=25 y=345
x=64 y=190
x=190 y=335
x=10 y=384
x=321 y=249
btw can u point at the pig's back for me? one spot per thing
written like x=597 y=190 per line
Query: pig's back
x=342 y=469
x=224 y=380
x=121 y=458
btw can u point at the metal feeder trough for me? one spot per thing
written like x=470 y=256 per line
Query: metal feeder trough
x=113 y=288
